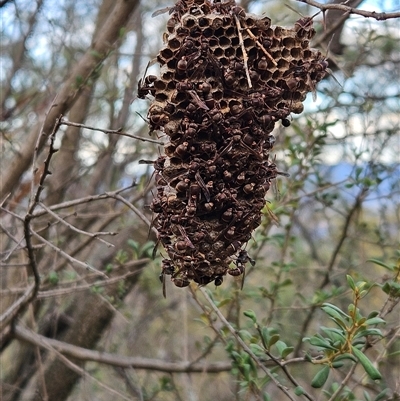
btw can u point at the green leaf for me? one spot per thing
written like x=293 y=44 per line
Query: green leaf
x=236 y=356
x=350 y=282
x=246 y=371
x=374 y=320
x=335 y=334
x=283 y=349
x=269 y=335
x=299 y=390
x=223 y=302
x=78 y=80
x=122 y=31
x=372 y=372
x=337 y=364
x=342 y=357
x=369 y=332
x=147 y=249
x=380 y=263
x=245 y=335
x=266 y=397
x=53 y=277
x=257 y=349
x=134 y=245
x=381 y=395
x=337 y=315
x=321 y=342
x=96 y=54
x=321 y=377
x=391 y=288
x=338 y=310
x=251 y=315
x=395 y=353
x=373 y=314
x=273 y=339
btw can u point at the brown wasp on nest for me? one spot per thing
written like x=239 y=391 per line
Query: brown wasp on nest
x=226 y=77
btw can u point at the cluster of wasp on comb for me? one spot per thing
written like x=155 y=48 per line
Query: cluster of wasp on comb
x=226 y=78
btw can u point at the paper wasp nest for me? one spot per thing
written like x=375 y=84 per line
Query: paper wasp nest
x=226 y=77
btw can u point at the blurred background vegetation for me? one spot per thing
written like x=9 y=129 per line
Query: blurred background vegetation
x=97 y=326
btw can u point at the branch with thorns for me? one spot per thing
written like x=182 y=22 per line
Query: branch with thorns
x=351 y=10
x=31 y=292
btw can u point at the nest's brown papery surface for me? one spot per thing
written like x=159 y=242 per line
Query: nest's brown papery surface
x=226 y=78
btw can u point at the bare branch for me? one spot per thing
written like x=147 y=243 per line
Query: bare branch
x=111 y=131
x=33 y=289
x=73 y=228
x=17 y=60
x=17 y=243
x=102 y=283
x=351 y=10
x=135 y=209
x=68 y=94
x=86 y=199
x=42 y=342
x=71 y=259
x=84 y=354
x=12 y=312
x=245 y=58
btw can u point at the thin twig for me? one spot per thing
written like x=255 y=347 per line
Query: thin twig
x=351 y=10
x=68 y=257
x=34 y=201
x=102 y=283
x=86 y=199
x=73 y=228
x=260 y=46
x=111 y=131
x=357 y=204
x=135 y=209
x=17 y=243
x=283 y=367
x=16 y=307
x=343 y=383
x=245 y=58
x=31 y=292
x=122 y=361
x=72 y=286
x=43 y=342
x=245 y=346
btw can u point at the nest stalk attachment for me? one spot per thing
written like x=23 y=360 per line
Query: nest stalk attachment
x=226 y=78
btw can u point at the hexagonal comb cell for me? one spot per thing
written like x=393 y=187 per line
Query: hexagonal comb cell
x=226 y=78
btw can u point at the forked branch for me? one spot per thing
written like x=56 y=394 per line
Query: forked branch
x=351 y=10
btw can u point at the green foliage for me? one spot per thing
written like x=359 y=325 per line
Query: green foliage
x=348 y=340
x=338 y=346
x=321 y=377
x=138 y=251
x=53 y=278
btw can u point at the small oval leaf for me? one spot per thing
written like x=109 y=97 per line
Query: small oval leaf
x=299 y=390
x=321 y=377
x=251 y=315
